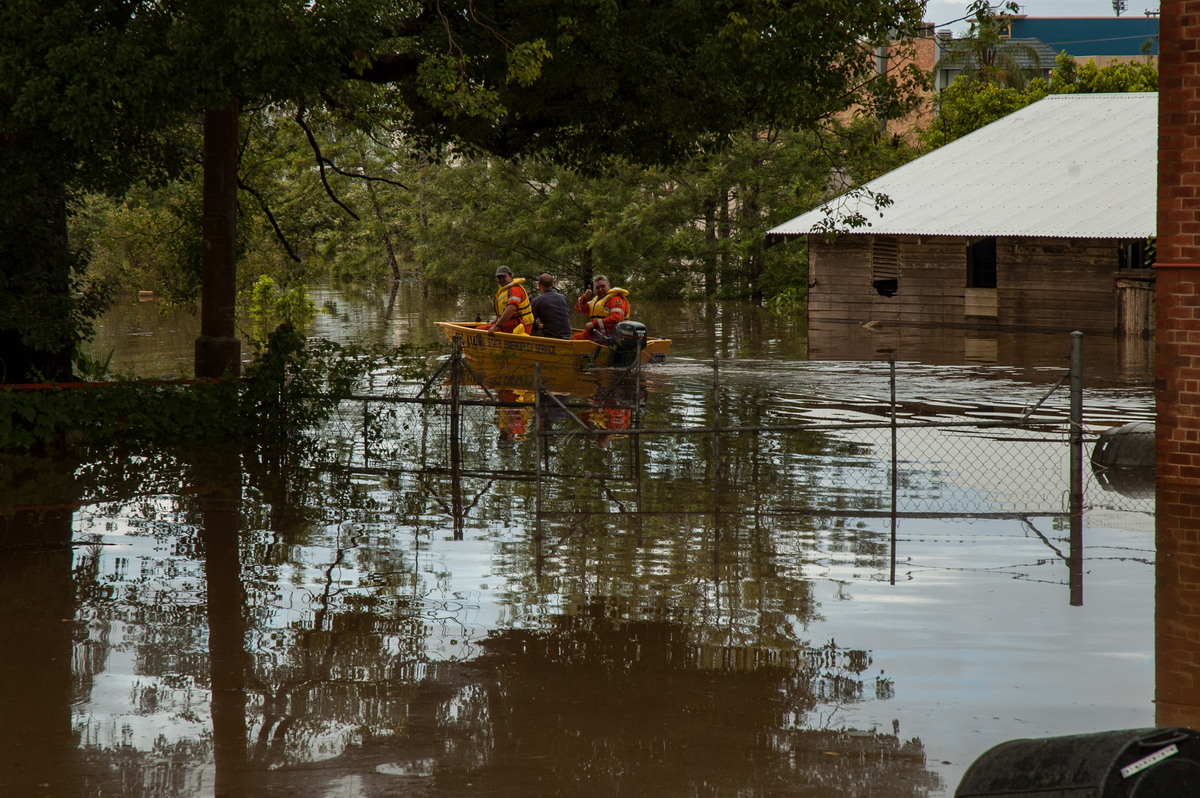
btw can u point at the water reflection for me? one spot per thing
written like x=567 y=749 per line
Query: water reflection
x=1111 y=360
x=244 y=621
x=39 y=679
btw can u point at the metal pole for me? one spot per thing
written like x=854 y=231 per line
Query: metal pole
x=1076 y=559
x=366 y=420
x=455 y=377
x=537 y=454
x=637 y=452
x=455 y=453
x=895 y=470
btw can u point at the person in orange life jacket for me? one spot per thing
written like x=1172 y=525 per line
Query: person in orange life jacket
x=606 y=307
x=513 y=314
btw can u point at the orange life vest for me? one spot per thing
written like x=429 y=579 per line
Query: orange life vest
x=602 y=307
x=524 y=312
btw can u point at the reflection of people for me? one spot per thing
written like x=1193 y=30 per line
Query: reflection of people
x=552 y=317
x=513 y=314
x=511 y=421
x=605 y=306
x=608 y=417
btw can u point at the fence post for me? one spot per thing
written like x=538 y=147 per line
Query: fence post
x=895 y=460
x=537 y=456
x=1075 y=564
x=455 y=377
x=455 y=454
x=366 y=422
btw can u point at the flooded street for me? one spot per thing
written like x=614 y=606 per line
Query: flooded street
x=677 y=614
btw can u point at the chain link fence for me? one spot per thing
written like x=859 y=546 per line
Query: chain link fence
x=620 y=444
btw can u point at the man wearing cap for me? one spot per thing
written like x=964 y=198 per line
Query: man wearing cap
x=550 y=312
x=513 y=314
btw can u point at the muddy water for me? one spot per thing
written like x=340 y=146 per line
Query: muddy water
x=195 y=623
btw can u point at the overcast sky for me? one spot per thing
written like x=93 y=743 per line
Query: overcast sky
x=942 y=12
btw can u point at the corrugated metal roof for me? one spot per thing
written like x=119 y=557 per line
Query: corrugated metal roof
x=1067 y=166
x=1028 y=54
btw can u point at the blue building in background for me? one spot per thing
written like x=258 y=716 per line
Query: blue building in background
x=1101 y=38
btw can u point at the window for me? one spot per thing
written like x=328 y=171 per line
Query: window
x=981 y=264
x=1135 y=254
x=885 y=265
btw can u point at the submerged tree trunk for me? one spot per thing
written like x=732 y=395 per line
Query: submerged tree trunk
x=751 y=219
x=218 y=351
x=710 y=254
x=381 y=220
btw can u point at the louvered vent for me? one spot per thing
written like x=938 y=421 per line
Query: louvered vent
x=885 y=258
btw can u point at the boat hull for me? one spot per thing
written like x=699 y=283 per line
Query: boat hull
x=497 y=349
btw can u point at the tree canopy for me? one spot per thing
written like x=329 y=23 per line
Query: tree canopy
x=967 y=105
x=94 y=96
x=987 y=54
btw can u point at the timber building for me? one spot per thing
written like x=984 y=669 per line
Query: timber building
x=1042 y=220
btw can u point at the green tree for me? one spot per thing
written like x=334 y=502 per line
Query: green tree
x=966 y=105
x=1118 y=76
x=987 y=54
x=90 y=94
x=92 y=97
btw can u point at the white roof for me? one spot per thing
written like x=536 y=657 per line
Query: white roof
x=1067 y=166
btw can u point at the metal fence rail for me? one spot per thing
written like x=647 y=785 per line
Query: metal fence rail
x=894 y=465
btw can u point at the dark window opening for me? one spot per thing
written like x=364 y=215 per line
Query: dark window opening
x=981 y=264
x=885 y=265
x=1136 y=254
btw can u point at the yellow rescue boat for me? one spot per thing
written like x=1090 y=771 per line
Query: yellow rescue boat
x=520 y=352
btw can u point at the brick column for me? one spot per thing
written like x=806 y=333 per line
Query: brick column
x=1177 y=610
x=1177 y=365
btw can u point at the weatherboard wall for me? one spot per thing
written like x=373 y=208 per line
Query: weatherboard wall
x=1041 y=283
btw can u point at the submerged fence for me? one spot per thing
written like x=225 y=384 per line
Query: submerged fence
x=646 y=452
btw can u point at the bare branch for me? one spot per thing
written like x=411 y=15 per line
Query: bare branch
x=262 y=203
x=322 y=161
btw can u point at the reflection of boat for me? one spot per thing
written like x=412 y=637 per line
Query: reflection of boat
x=599 y=399
x=521 y=352
x=499 y=376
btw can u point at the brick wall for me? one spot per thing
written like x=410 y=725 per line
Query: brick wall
x=1177 y=644
x=1177 y=609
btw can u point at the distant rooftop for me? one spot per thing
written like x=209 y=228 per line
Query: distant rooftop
x=1067 y=166
x=1092 y=36
x=1023 y=55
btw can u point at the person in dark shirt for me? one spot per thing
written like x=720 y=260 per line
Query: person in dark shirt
x=552 y=317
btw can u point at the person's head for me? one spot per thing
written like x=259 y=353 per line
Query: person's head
x=545 y=282
x=504 y=275
x=600 y=284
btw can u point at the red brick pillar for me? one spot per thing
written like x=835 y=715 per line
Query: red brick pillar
x=1177 y=359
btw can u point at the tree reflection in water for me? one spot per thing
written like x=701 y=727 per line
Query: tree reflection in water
x=268 y=628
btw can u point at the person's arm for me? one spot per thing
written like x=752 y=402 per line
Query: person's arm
x=509 y=310
x=581 y=304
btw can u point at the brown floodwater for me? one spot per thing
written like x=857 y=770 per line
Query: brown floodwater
x=666 y=615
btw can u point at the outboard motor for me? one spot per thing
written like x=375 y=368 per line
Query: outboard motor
x=630 y=340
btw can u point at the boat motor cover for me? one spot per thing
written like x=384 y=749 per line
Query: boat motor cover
x=631 y=333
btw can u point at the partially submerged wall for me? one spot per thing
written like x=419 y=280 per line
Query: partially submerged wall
x=1040 y=283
